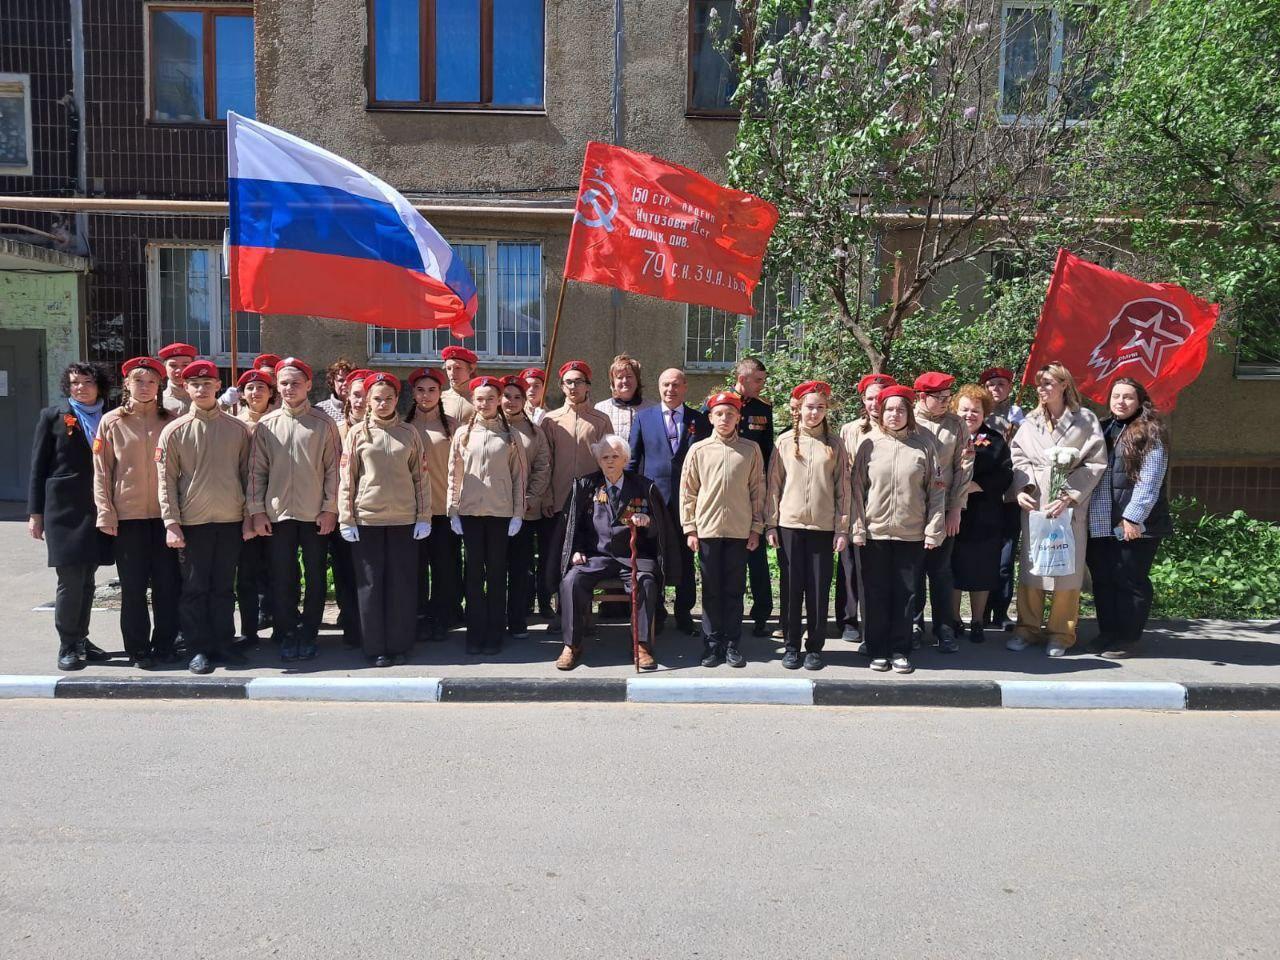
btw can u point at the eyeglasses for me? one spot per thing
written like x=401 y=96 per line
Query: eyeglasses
x=576 y=382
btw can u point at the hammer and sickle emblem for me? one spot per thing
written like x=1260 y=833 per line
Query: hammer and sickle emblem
x=602 y=202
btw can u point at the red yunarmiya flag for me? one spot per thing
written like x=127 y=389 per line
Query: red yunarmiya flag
x=648 y=226
x=1101 y=325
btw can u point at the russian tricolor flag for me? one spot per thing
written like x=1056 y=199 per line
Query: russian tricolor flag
x=313 y=234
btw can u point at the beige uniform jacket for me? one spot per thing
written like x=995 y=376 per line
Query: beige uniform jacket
x=537 y=458
x=293 y=467
x=570 y=431
x=382 y=478
x=457 y=406
x=126 y=485
x=487 y=473
x=809 y=492
x=854 y=432
x=249 y=418
x=436 y=429
x=175 y=399
x=203 y=459
x=897 y=492
x=722 y=488
x=955 y=465
x=1033 y=473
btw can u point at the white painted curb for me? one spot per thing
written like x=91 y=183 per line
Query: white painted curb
x=350 y=689
x=1082 y=694
x=672 y=690
x=15 y=687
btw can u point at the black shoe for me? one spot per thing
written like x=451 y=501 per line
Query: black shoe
x=199 y=664
x=145 y=663
x=233 y=658
x=166 y=655
x=917 y=638
x=248 y=640
x=491 y=646
x=812 y=660
x=382 y=661
x=976 y=633
x=711 y=656
x=733 y=656
x=791 y=660
x=761 y=629
x=69 y=659
x=94 y=653
x=289 y=649
x=307 y=649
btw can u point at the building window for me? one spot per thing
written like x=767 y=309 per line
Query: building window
x=715 y=339
x=1258 y=337
x=200 y=62
x=15 y=124
x=456 y=54
x=187 y=289
x=1042 y=62
x=713 y=77
x=509 y=312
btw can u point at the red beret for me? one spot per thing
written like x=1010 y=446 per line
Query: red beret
x=897 y=390
x=357 y=376
x=458 y=353
x=933 y=381
x=811 y=386
x=476 y=382
x=432 y=372
x=266 y=361
x=143 y=363
x=533 y=373
x=178 y=350
x=200 y=369
x=872 y=379
x=373 y=379
x=724 y=397
x=992 y=372
x=296 y=364
x=578 y=365
x=254 y=376
x=515 y=380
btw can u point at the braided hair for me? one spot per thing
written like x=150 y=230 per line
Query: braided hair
x=795 y=429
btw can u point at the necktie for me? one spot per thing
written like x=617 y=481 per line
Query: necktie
x=615 y=495
x=673 y=430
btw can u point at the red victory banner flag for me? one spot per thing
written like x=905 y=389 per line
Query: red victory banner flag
x=1101 y=325
x=652 y=227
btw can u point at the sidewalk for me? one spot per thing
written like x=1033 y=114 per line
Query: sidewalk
x=1195 y=655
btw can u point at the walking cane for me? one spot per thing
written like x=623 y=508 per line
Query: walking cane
x=635 y=592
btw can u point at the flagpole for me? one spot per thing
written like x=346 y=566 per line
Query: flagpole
x=555 y=329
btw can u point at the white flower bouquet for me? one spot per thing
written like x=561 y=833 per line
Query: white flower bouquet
x=1062 y=461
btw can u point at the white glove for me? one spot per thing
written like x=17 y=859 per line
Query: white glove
x=230 y=397
x=514 y=526
x=349 y=534
x=455 y=524
x=422 y=530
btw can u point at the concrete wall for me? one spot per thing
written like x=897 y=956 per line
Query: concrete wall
x=50 y=302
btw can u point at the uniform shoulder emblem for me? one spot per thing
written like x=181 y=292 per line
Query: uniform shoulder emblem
x=159 y=457
x=98 y=445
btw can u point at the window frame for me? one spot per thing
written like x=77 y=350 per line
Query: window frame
x=27 y=169
x=702 y=113
x=427 y=67
x=208 y=55
x=1057 y=46
x=744 y=334
x=218 y=351
x=487 y=358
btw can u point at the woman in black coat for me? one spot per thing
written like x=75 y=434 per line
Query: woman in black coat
x=975 y=559
x=60 y=505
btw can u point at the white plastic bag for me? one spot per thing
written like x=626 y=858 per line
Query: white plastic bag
x=1052 y=549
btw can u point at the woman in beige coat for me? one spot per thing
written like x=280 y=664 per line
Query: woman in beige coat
x=1059 y=422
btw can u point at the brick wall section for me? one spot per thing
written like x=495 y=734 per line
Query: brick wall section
x=1224 y=487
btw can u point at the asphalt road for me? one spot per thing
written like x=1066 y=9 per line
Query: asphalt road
x=238 y=830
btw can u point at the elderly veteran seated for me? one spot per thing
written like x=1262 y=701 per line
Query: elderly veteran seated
x=593 y=542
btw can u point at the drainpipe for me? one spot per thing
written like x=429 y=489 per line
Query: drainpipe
x=77 y=95
x=615 y=295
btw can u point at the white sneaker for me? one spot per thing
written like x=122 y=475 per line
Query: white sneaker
x=851 y=635
x=880 y=666
x=1056 y=650
x=862 y=649
x=902 y=665
x=1016 y=643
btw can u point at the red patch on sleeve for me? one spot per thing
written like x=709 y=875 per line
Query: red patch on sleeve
x=98 y=445
x=159 y=457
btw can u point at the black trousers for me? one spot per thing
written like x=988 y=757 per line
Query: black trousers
x=288 y=538
x=344 y=586
x=1122 y=591
x=724 y=569
x=439 y=574
x=847 y=588
x=485 y=540
x=252 y=587
x=542 y=528
x=808 y=558
x=386 y=567
x=209 y=562
x=580 y=581
x=937 y=570
x=72 y=603
x=890 y=571
x=761 y=584
x=144 y=561
x=1011 y=532
x=520 y=577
